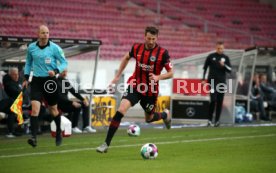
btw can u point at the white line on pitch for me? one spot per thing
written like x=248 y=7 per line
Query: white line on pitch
x=135 y=145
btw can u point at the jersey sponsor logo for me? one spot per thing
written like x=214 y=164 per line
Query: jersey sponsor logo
x=146 y=67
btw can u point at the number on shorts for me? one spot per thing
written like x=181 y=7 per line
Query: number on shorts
x=149 y=107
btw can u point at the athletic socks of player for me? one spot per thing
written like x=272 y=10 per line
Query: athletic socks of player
x=158 y=116
x=57 y=120
x=34 y=126
x=115 y=123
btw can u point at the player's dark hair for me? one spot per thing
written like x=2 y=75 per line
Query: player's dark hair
x=152 y=30
x=220 y=43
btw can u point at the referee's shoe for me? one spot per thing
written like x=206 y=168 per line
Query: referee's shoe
x=32 y=142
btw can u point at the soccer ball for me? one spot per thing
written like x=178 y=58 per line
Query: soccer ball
x=149 y=151
x=133 y=130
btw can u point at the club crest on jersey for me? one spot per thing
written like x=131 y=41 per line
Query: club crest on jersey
x=152 y=58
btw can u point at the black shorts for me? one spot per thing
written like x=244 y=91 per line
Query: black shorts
x=148 y=103
x=45 y=88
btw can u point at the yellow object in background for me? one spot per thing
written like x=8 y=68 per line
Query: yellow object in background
x=16 y=108
x=103 y=110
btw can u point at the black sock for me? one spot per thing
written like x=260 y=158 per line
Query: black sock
x=157 y=116
x=115 y=123
x=34 y=126
x=57 y=121
x=211 y=110
x=164 y=115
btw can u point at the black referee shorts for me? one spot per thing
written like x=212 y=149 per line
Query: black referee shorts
x=148 y=103
x=45 y=88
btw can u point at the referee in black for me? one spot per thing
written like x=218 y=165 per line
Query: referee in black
x=218 y=64
x=45 y=59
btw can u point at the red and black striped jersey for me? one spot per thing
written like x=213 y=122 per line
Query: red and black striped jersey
x=148 y=61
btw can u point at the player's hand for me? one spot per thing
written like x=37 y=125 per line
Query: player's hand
x=25 y=84
x=76 y=104
x=111 y=86
x=154 y=77
x=114 y=81
x=85 y=102
x=51 y=73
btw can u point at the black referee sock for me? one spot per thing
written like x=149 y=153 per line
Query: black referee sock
x=115 y=123
x=34 y=126
x=57 y=121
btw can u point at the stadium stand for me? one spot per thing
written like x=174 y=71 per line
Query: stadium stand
x=188 y=27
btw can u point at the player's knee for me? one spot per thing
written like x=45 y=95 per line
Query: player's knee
x=35 y=112
x=123 y=109
x=53 y=111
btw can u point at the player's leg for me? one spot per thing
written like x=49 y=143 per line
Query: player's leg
x=36 y=97
x=220 y=97
x=34 y=122
x=130 y=98
x=57 y=118
x=213 y=98
x=148 y=104
x=114 y=125
x=116 y=120
x=51 y=96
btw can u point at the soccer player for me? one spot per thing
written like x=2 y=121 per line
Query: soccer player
x=45 y=59
x=143 y=84
x=218 y=64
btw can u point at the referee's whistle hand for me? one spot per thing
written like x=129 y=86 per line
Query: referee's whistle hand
x=114 y=81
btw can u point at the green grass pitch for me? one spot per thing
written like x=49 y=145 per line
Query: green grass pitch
x=184 y=150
